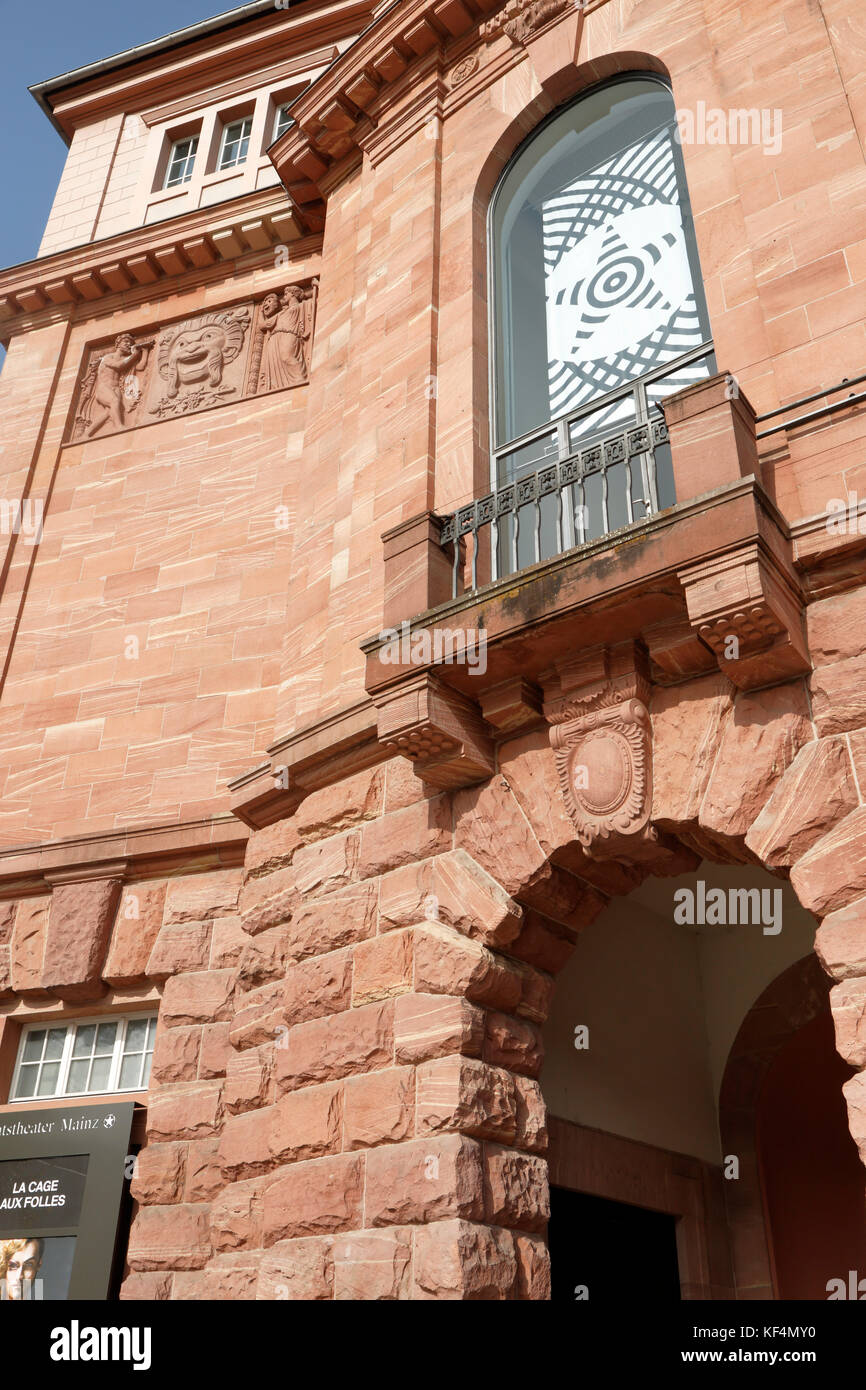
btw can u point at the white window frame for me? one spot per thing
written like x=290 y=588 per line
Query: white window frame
x=72 y=1025
x=290 y=120
x=188 y=161
x=245 y=123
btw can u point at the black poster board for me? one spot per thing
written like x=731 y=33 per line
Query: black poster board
x=61 y=1185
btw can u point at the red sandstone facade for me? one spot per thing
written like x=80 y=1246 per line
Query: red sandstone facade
x=347 y=886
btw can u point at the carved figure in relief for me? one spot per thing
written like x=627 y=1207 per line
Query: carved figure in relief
x=286 y=326
x=198 y=351
x=110 y=388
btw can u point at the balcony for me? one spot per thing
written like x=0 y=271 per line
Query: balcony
x=704 y=583
x=605 y=466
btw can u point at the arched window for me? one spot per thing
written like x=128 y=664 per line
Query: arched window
x=598 y=313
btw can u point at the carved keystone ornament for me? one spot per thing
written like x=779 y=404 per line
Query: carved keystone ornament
x=602 y=742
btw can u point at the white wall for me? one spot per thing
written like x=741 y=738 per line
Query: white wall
x=663 y=1003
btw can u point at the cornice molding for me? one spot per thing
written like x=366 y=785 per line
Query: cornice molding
x=193 y=65
x=164 y=254
x=341 y=113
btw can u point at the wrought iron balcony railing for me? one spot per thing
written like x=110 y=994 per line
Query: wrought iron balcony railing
x=517 y=505
x=597 y=469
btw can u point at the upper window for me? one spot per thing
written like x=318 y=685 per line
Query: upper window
x=181 y=161
x=598 y=310
x=235 y=143
x=84 y=1058
x=282 y=121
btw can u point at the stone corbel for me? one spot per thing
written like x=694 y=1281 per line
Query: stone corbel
x=749 y=613
x=602 y=742
x=441 y=731
x=519 y=19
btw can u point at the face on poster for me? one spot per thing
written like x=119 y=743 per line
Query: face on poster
x=40 y=1195
x=59 y=1209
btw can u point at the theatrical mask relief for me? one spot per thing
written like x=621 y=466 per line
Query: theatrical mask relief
x=210 y=359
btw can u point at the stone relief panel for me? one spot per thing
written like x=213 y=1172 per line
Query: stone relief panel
x=196 y=363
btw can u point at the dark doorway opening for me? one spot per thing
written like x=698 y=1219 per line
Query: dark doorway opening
x=613 y=1249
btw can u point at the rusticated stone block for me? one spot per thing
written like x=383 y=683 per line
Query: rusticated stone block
x=342 y=804
x=533 y=1267
x=189 y=1110
x=236 y=1215
x=263 y=958
x=465 y=1094
x=204 y=1176
x=448 y=963
x=548 y=945
x=815 y=792
x=189 y=1286
x=176 y=1054
x=492 y=828
x=245 y=1150
x=200 y=897
x=306 y=1123
x=202 y=997
x=516 y=1191
x=687 y=723
x=150 y=1287
x=327 y=924
x=28 y=946
x=7 y=922
x=248 y=1079
x=451 y=889
x=854 y=1091
x=403 y=837
x=271 y=848
x=759 y=741
x=840 y=943
x=80 y=920
x=373 y=1265
x=344 y=1044
x=232 y=1276
x=215 y=1050
x=382 y=967
x=434 y=1025
x=180 y=948
x=833 y=872
x=848 y=1005
x=259 y=1017
x=159 y=1174
x=513 y=1043
x=379 y=1108
x=464 y=1260
x=838 y=694
x=136 y=927
x=531 y=1115
x=6 y=990
x=536 y=995
x=228 y=942
x=297 y=1270
x=316 y=987
x=317 y=1197
x=424 y=1180
x=327 y=865
x=170 y=1237
x=269 y=902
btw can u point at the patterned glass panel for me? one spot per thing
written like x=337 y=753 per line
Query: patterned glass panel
x=620 y=299
x=596 y=280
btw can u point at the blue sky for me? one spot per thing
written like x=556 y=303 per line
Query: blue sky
x=40 y=39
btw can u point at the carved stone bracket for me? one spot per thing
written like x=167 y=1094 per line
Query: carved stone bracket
x=602 y=741
x=519 y=19
x=439 y=729
x=750 y=615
